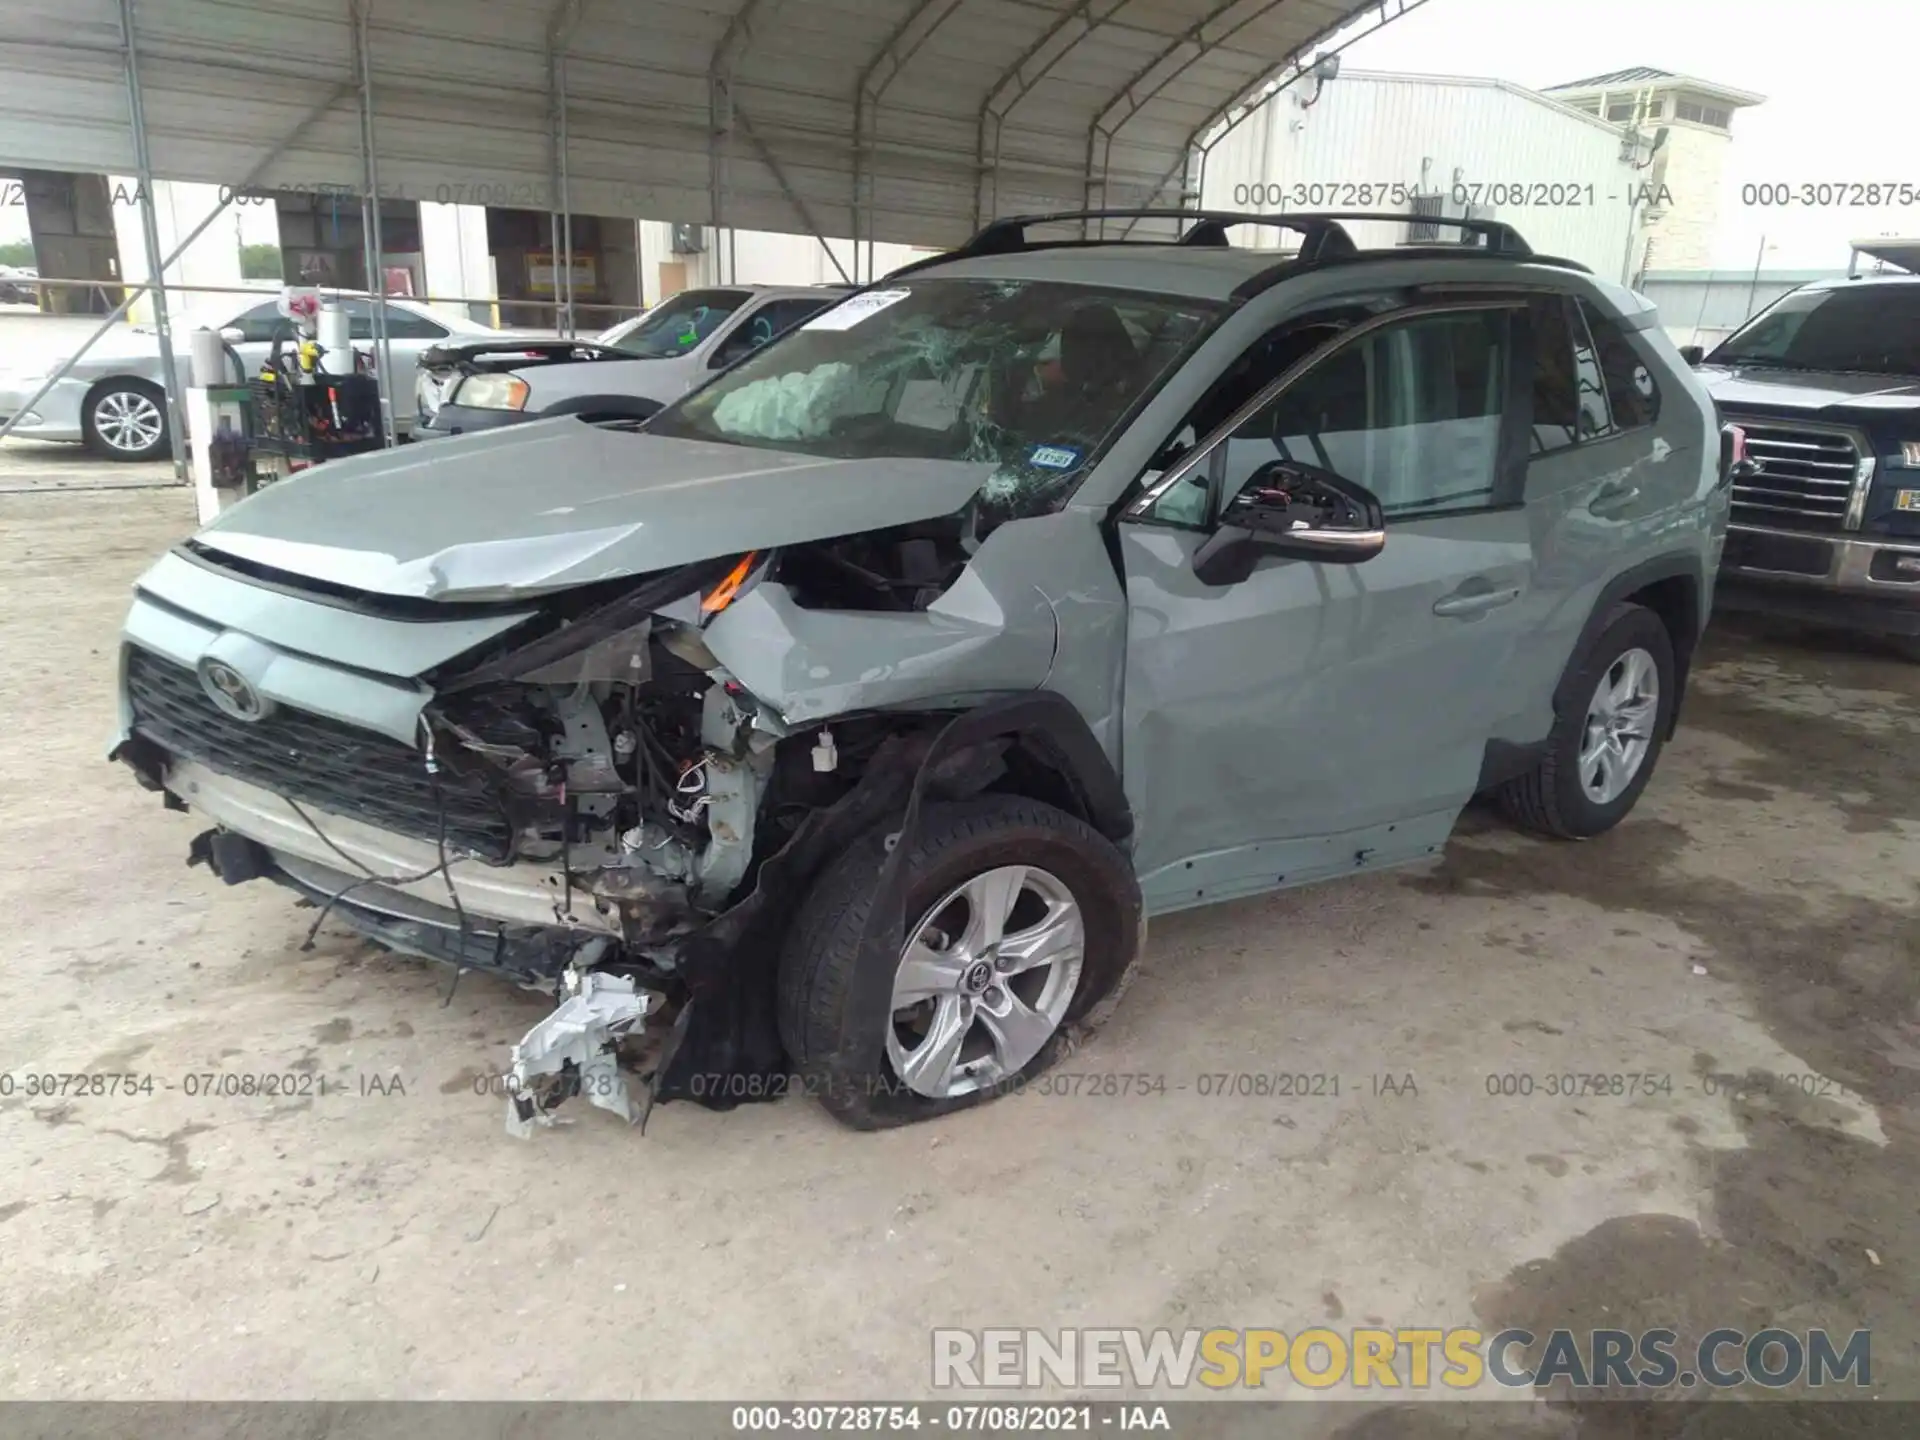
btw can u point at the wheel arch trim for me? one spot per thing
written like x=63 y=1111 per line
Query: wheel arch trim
x=1621 y=589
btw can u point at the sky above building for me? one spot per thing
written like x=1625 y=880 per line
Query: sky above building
x=1837 y=77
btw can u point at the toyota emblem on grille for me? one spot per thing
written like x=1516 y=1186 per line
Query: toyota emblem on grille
x=232 y=691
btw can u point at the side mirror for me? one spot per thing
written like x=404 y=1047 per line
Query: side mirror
x=233 y=334
x=1693 y=354
x=1296 y=512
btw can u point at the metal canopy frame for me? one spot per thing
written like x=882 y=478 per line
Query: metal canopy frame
x=896 y=120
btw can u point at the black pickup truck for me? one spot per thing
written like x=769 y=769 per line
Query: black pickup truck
x=1825 y=383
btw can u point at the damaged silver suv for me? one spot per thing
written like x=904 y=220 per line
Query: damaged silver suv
x=836 y=729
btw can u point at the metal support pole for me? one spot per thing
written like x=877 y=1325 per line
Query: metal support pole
x=1753 y=287
x=136 y=291
x=560 y=27
x=566 y=202
x=768 y=159
x=156 y=264
x=376 y=274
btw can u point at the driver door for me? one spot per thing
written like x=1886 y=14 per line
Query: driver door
x=1318 y=718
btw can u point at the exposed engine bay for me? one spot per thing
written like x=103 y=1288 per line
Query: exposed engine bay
x=657 y=785
x=615 y=752
x=641 y=766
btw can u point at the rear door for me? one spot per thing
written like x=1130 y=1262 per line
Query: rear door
x=1604 y=479
x=1316 y=719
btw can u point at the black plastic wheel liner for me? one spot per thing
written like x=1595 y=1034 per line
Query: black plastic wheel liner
x=725 y=1047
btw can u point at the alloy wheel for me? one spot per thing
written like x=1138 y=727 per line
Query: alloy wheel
x=128 y=420
x=1619 y=729
x=984 y=981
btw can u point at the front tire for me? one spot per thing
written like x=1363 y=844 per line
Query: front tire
x=1605 y=744
x=127 y=420
x=1021 y=921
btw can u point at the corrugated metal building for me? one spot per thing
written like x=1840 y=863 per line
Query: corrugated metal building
x=1364 y=140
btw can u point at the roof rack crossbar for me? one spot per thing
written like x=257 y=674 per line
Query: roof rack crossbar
x=1322 y=232
x=1320 y=235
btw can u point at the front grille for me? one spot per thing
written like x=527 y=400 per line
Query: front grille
x=320 y=762
x=1806 y=478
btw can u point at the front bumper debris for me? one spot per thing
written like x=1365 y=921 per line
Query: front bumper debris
x=573 y=1051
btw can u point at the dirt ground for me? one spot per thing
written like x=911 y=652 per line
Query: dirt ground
x=1752 y=925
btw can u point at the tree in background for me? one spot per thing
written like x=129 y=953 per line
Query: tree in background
x=17 y=252
x=260 y=262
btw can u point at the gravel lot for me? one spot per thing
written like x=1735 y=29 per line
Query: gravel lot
x=1756 y=918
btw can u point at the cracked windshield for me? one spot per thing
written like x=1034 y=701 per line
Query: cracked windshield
x=1029 y=377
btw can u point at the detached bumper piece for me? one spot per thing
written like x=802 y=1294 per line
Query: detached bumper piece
x=573 y=1052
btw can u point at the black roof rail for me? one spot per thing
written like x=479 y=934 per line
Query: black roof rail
x=1286 y=269
x=1501 y=238
x=1323 y=236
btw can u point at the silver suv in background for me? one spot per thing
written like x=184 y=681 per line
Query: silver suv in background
x=628 y=372
x=847 y=720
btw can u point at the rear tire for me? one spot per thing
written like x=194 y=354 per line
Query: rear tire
x=1584 y=785
x=1057 y=874
x=127 y=420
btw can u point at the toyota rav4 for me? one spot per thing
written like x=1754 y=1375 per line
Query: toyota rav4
x=842 y=724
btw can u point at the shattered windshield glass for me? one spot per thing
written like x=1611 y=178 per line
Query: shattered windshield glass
x=1030 y=377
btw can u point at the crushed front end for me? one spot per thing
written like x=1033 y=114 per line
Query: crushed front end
x=564 y=794
x=572 y=794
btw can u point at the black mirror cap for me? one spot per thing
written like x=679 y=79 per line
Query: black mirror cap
x=1693 y=354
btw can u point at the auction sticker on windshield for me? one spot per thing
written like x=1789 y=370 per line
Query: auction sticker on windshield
x=849 y=313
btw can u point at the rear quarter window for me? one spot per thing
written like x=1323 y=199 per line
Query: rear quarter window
x=1633 y=395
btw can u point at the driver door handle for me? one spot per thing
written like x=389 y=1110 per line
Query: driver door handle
x=1470 y=600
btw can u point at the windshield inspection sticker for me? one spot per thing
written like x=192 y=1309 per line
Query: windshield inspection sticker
x=849 y=313
x=1054 y=457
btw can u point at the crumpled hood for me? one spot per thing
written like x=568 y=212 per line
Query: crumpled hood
x=1803 y=391
x=557 y=503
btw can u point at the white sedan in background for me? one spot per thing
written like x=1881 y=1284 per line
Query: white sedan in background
x=113 y=402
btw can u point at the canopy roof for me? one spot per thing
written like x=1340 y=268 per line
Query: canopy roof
x=903 y=120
